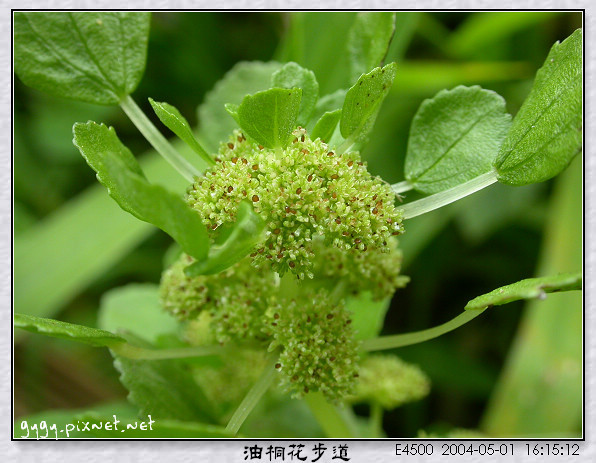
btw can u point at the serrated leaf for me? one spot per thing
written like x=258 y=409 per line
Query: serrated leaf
x=368 y=41
x=270 y=116
x=531 y=288
x=244 y=78
x=164 y=389
x=326 y=125
x=102 y=150
x=292 y=75
x=58 y=329
x=546 y=133
x=455 y=137
x=173 y=120
x=135 y=308
x=97 y=57
x=234 y=243
x=368 y=315
x=363 y=101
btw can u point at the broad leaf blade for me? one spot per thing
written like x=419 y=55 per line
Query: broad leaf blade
x=292 y=75
x=368 y=41
x=363 y=101
x=177 y=123
x=455 y=137
x=102 y=150
x=368 y=315
x=245 y=78
x=530 y=288
x=58 y=329
x=135 y=308
x=97 y=57
x=164 y=389
x=241 y=238
x=546 y=133
x=326 y=125
x=270 y=116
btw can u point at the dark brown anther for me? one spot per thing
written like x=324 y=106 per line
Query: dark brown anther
x=291 y=264
x=309 y=178
x=334 y=195
x=244 y=192
x=338 y=220
x=278 y=365
x=357 y=241
x=244 y=161
x=261 y=147
x=335 y=176
x=330 y=153
x=295 y=140
x=375 y=211
x=280 y=255
x=329 y=316
x=306 y=389
x=255 y=167
x=350 y=163
x=239 y=138
x=298 y=191
x=231 y=146
x=277 y=231
x=255 y=199
x=395 y=233
x=374 y=197
x=304 y=151
x=302 y=138
x=331 y=359
x=234 y=160
x=230 y=189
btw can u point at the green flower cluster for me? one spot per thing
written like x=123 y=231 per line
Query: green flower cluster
x=236 y=299
x=390 y=382
x=375 y=271
x=302 y=191
x=318 y=348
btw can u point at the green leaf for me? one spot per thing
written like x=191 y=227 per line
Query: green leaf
x=233 y=243
x=142 y=428
x=164 y=389
x=58 y=329
x=326 y=125
x=454 y=138
x=368 y=315
x=546 y=133
x=292 y=75
x=97 y=57
x=135 y=308
x=368 y=41
x=244 y=78
x=102 y=150
x=363 y=101
x=270 y=116
x=173 y=120
x=531 y=288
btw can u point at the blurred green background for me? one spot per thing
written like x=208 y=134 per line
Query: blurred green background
x=516 y=370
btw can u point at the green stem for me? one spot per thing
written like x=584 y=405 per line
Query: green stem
x=430 y=203
x=376 y=420
x=254 y=395
x=345 y=146
x=157 y=140
x=140 y=353
x=401 y=187
x=400 y=340
x=328 y=416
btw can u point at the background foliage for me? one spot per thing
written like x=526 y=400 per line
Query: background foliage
x=480 y=373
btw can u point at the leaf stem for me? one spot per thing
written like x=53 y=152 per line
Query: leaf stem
x=376 y=420
x=430 y=203
x=157 y=140
x=328 y=416
x=400 y=340
x=254 y=395
x=140 y=353
x=402 y=187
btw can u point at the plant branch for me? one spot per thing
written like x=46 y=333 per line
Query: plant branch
x=157 y=140
x=400 y=340
x=430 y=203
x=254 y=395
x=328 y=416
x=401 y=187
